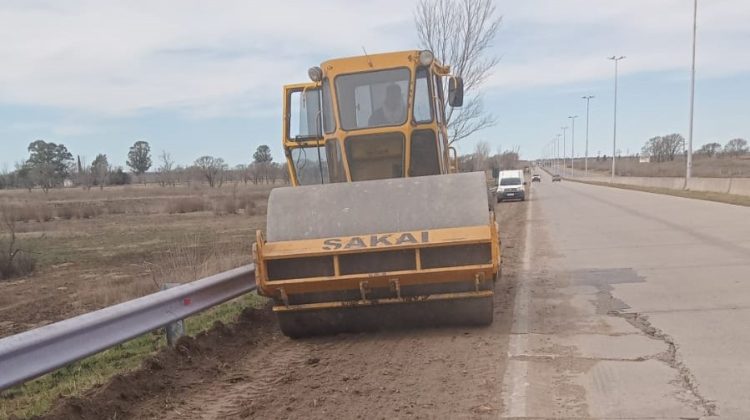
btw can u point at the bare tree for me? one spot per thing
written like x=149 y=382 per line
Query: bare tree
x=481 y=156
x=14 y=261
x=664 y=148
x=166 y=169
x=242 y=172
x=212 y=169
x=736 y=147
x=508 y=159
x=460 y=33
x=709 y=149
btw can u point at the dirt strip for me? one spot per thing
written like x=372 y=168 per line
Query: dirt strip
x=250 y=370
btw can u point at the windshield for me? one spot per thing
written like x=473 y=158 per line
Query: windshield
x=510 y=181
x=372 y=99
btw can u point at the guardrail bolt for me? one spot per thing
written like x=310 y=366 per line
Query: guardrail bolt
x=176 y=329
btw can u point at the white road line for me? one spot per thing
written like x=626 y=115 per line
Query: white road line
x=516 y=378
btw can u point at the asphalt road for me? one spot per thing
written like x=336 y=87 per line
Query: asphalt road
x=631 y=305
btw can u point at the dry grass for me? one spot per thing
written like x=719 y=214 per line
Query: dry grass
x=193 y=257
x=103 y=251
x=183 y=205
x=68 y=204
x=719 y=167
x=184 y=259
x=99 y=248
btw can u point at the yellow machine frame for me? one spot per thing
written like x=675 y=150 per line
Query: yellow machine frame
x=333 y=68
x=476 y=274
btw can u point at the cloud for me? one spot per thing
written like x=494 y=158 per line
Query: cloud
x=203 y=58
x=230 y=58
x=550 y=42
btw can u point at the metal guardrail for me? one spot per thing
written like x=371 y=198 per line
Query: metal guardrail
x=33 y=353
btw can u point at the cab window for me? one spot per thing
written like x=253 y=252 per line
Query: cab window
x=372 y=99
x=329 y=124
x=311 y=165
x=335 y=161
x=439 y=105
x=375 y=156
x=304 y=115
x=422 y=97
x=424 y=154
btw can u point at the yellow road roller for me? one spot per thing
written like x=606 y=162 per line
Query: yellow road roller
x=378 y=229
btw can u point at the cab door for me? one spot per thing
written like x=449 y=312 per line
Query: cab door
x=302 y=124
x=302 y=114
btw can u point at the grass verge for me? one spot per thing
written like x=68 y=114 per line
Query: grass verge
x=38 y=396
x=739 y=200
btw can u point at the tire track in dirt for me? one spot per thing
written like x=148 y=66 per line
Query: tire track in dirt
x=252 y=371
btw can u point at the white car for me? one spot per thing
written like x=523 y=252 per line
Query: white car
x=511 y=186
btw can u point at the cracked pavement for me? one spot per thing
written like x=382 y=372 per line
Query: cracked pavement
x=630 y=305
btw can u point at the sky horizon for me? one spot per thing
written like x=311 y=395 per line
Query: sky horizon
x=204 y=80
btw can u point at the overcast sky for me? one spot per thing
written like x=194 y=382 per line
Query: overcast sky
x=200 y=77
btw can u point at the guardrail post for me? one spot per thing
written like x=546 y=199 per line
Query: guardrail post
x=176 y=329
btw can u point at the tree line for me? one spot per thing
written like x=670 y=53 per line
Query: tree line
x=51 y=165
x=666 y=148
x=483 y=160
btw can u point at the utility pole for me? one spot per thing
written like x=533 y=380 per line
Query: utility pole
x=572 y=143
x=614 y=129
x=565 y=148
x=689 y=165
x=586 y=158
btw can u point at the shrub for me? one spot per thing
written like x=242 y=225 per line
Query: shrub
x=87 y=212
x=250 y=208
x=186 y=205
x=246 y=201
x=114 y=207
x=23 y=264
x=13 y=260
x=21 y=213
x=225 y=205
x=44 y=213
x=118 y=177
x=66 y=211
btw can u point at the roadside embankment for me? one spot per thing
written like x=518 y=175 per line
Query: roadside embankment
x=725 y=190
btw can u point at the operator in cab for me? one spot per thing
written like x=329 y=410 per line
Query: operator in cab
x=393 y=110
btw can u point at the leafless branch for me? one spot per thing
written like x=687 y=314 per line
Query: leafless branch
x=460 y=33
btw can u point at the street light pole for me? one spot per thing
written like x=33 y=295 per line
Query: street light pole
x=572 y=143
x=564 y=150
x=614 y=129
x=558 y=153
x=586 y=158
x=689 y=166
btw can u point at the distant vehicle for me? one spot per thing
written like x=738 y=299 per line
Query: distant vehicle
x=511 y=186
x=536 y=178
x=556 y=178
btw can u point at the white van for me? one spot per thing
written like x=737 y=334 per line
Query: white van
x=511 y=186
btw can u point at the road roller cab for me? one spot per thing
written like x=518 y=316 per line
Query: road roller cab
x=377 y=230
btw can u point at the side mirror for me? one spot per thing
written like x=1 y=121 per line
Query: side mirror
x=456 y=91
